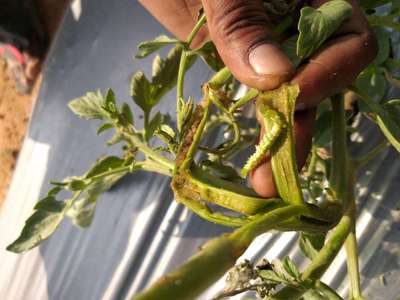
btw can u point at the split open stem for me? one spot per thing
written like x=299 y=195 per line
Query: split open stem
x=343 y=185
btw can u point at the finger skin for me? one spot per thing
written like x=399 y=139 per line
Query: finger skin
x=239 y=29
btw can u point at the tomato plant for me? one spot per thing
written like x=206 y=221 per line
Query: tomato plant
x=318 y=201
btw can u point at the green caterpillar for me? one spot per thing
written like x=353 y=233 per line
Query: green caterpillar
x=273 y=125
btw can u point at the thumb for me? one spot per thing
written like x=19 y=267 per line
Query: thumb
x=239 y=29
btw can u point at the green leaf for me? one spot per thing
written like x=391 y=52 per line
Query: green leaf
x=40 y=225
x=75 y=184
x=323 y=129
x=141 y=92
x=50 y=204
x=104 y=127
x=392 y=65
x=383 y=38
x=185 y=115
x=89 y=106
x=166 y=134
x=373 y=84
x=389 y=125
x=49 y=213
x=82 y=211
x=310 y=244
x=127 y=113
x=153 y=125
x=168 y=130
x=291 y=268
x=148 y=47
x=280 y=269
x=54 y=191
x=208 y=52
x=271 y=276
x=317 y=25
x=290 y=48
x=104 y=164
x=165 y=71
x=109 y=102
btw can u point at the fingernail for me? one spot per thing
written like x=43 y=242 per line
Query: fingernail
x=268 y=59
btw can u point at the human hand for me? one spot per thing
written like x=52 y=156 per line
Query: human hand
x=242 y=33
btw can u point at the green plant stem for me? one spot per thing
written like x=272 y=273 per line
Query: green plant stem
x=371 y=155
x=136 y=142
x=196 y=29
x=111 y=172
x=251 y=94
x=155 y=167
x=214 y=259
x=352 y=252
x=352 y=265
x=313 y=161
x=321 y=262
x=220 y=78
x=146 y=165
x=340 y=161
x=182 y=66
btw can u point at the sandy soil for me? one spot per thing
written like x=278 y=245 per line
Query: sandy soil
x=15 y=109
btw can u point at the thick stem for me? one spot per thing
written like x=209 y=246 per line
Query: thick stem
x=220 y=78
x=352 y=265
x=214 y=259
x=339 y=170
x=155 y=167
x=352 y=251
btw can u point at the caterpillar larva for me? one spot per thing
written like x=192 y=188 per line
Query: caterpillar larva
x=273 y=125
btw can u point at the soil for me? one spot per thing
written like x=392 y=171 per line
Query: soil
x=16 y=108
